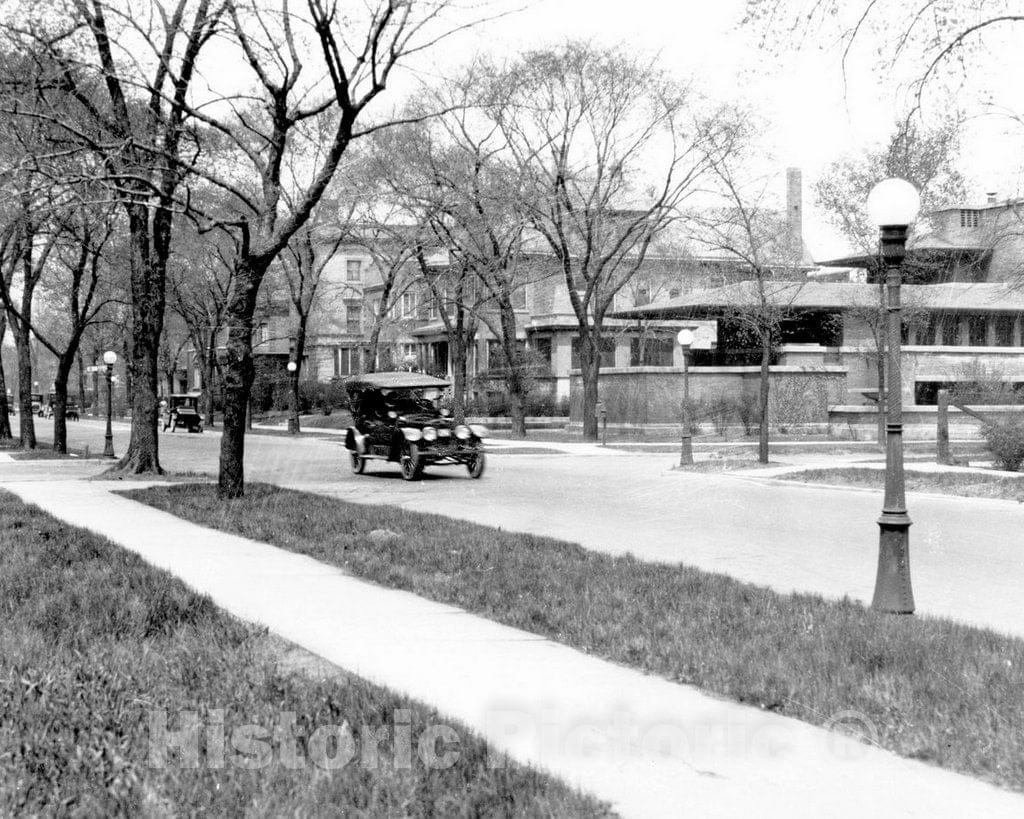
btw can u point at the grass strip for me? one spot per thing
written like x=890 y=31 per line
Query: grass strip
x=932 y=689
x=94 y=643
x=964 y=484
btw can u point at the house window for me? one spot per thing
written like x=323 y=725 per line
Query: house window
x=346 y=360
x=519 y=298
x=542 y=349
x=651 y=352
x=607 y=353
x=408 y=304
x=354 y=270
x=969 y=218
x=674 y=293
x=495 y=355
x=353 y=317
x=1004 y=330
x=977 y=331
x=951 y=331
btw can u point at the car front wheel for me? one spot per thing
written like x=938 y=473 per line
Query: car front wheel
x=358 y=463
x=412 y=464
x=475 y=466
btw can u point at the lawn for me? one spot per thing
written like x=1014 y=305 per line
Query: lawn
x=98 y=652
x=932 y=689
x=965 y=484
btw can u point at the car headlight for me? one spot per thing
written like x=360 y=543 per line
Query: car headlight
x=479 y=430
x=462 y=432
x=429 y=434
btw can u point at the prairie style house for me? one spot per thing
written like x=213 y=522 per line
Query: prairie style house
x=962 y=322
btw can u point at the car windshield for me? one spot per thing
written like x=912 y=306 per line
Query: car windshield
x=405 y=402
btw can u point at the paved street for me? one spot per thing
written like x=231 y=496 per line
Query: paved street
x=965 y=553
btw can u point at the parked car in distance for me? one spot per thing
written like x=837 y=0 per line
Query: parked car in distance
x=37 y=403
x=70 y=410
x=182 y=410
x=395 y=418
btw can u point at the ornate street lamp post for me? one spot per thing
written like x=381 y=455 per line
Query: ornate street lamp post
x=685 y=339
x=293 y=398
x=893 y=205
x=110 y=359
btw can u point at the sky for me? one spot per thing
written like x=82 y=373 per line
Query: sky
x=815 y=114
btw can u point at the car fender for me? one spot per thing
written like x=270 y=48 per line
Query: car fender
x=355 y=440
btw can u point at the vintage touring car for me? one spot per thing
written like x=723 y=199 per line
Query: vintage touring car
x=182 y=410
x=395 y=417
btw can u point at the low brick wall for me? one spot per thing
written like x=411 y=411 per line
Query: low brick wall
x=642 y=396
x=859 y=423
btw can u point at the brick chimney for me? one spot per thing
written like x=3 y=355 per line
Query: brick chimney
x=795 y=212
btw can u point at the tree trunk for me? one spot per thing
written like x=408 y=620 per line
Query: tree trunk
x=370 y=352
x=26 y=420
x=60 y=402
x=81 y=381
x=881 y=326
x=238 y=375
x=209 y=371
x=766 y=359
x=142 y=371
x=880 y=432
x=5 y=417
x=590 y=368
x=458 y=350
x=515 y=384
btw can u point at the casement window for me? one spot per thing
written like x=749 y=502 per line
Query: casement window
x=346 y=360
x=607 y=353
x=951 y=331
x=354 y=270
x=519 y=298
x=969 y=218
x=408 y=305
x=651 y=352
x=977 y=331
x=1004 y=330
x=353 y=317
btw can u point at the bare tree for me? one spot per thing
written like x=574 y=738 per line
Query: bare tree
x=301 y=267
x=76 y=293
x=115 y=83
x=197 y=285
x=606 y=152
x=24 y=254
x=405 y=241
x=942 y=45
x=925 y=157
x=747 y=230
x=357 y=53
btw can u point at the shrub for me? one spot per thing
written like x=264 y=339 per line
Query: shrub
x=719 y=410
x=1006 y=442
x=748 y=411
x=324 y=397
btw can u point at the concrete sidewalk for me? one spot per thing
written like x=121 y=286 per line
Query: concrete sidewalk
x=650 y=747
